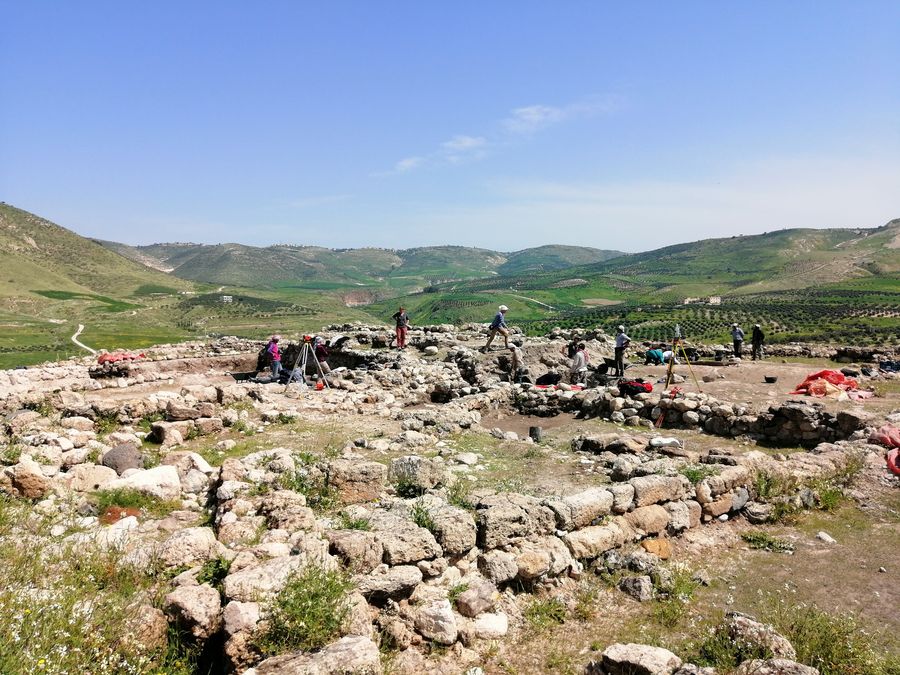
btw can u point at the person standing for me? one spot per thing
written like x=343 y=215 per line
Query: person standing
x=275 y=356
x=737 y=337
x=498 y=325
x=321 y=352
x=757 y=340
x=401 y=319
x=578 y=369
x=622 y=342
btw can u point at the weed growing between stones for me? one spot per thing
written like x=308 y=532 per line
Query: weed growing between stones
x=213 y=572
x=695 y=473
x=348 y=522
x=9 y=453
x=757 y=539
x=835 y=644
x=126 y=498
x=456 y=591
x=421 y=516
x=718 y=649
x=541 y=614
x=460 y=495
x=43 y=407
x=675 y=587
x=145 y=424
x=307 y=613
x=319 y=495
x=407 y=489
x=106 y=423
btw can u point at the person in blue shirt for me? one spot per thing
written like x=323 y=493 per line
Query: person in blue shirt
x=498 y=325
x=737 y=337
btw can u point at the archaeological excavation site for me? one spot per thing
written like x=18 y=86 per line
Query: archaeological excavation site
x=415 y=511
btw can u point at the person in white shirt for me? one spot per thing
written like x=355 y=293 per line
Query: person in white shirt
x=578 y=369
x=622 y=342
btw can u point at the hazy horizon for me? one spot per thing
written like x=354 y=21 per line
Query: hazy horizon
x=404 y=125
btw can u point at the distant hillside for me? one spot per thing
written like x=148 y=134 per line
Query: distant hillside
x=553 y=257
x=783 y=260
x=311 y=266
x=37 y=255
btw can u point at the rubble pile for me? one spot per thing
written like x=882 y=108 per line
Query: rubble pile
x=431 y=563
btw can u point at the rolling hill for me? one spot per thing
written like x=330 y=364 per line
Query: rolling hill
x=38 y=256
x=387 y=270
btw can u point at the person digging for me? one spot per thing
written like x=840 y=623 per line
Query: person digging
x=498 y=325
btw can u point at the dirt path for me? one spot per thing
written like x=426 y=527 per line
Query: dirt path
x=74 y=339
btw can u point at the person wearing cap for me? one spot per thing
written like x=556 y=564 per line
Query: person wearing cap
x=321 y=352
x=737 y=337
x=756 y=341
x=498 y=325
x=275 y=354
x=622 y=342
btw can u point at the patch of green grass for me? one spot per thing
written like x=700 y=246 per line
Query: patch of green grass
x=407 y=489
x=421 y=516
x=835 y=644
x=43 y=407
x=674 y=591
x=696 y=473
x=456 y=591
x=68 y=607
x=106 y=423
x=460 y=495
x=214 y=572
x=719 y=650
x=320 y=496
x=145 y=424
x=768 y=486
x=757 y=539
x=346 y=522
x=542 y=614
x=307 y=613
x=127 y=498
x=560 y=662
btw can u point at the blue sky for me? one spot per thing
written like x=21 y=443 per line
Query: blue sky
x=500 y=124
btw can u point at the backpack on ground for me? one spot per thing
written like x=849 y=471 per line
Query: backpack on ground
x=634 y=387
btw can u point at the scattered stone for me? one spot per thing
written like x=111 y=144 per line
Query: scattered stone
x=640 y=588
x=634 y=659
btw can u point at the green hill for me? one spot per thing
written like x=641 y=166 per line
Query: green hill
x=37 y=255
x=385 y=271
x=553 y=257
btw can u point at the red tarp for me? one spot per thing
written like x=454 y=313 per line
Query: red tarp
x=831 y=383
x=115 y=357
x=888 y=436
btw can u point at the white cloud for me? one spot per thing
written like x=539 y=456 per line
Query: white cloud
x=523 y=121
x=408 y=164
x=464 y=143
x=532 y=118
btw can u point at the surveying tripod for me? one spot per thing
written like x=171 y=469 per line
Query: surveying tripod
x=300 y=364
x=676 y=345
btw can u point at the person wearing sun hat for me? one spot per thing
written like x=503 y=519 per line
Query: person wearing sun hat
x=498 y=325
x=275 y=355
